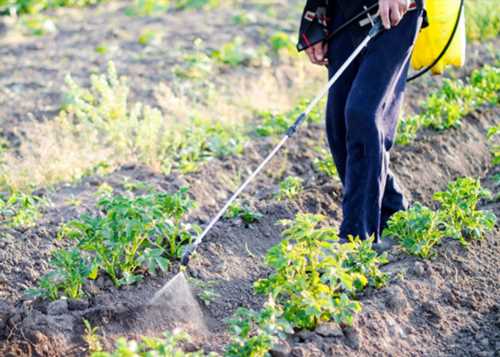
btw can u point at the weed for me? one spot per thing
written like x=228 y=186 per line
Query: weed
x=91 y=337
x=254 y=333
x=290 y=188
x=458 y=208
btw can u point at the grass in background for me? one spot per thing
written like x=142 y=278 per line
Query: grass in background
x=482 y=19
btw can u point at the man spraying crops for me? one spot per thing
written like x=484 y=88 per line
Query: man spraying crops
x=364 y=104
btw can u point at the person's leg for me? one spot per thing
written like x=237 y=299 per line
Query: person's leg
x=393 y=199
x=370 y=126
x=339 y=50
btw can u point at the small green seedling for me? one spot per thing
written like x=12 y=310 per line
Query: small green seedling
x=254 y=333
x=290 y=188
x=245 y=213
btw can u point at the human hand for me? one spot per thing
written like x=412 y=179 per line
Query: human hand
x=392 y=11
x=317 y=53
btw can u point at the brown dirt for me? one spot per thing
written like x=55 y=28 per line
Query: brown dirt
x=444 y=307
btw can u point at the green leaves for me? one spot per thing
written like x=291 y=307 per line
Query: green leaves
x=245 y=213
x=130 y=236
x=19 y=209
x=458 y=208
x=315 y=276
x=70 y=271
x=446 y=107
x=149 y=347
x=254 y=333
x=419 y=229
x=290 y=188
x=278 y=123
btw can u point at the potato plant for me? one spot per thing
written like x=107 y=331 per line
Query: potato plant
x=325 y=164
x=278 y=123
x=245 y=213
x=446 y=107
x=201 y=141
x=493 y=134
x=169 y=345
x=254 y=333
x=237 y=53
x=67 y=277
x=417 y=230
x=128 y=237
x=458 y=208
x=315 y=277
x=290 y=188
x=18 y=209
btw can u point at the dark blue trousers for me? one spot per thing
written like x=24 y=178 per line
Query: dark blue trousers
x=361 y=119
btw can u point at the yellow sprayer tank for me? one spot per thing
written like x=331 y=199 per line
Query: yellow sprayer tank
x=432 y=40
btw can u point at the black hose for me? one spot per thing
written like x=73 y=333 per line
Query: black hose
x=446 y=47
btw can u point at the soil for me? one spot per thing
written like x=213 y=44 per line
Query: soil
x=447 y=306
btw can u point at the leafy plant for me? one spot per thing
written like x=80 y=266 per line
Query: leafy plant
x=493 y=132
x=133 y=233
x=254 y=333
x=290 y=188
x=197 y=65
x=325 y=164
x=278 y=123
x=244 y=212
x=282 y=42
x=482 y=20
x=19 y=209
x=458 y=208
x=201 y=141
x=418 y=230
x=68 y=275
x=166 y=346
x=315 y=276
x=91 y=337
x=236 y=53
x=446 y=107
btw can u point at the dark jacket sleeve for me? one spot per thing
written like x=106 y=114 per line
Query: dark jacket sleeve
x=314 y=24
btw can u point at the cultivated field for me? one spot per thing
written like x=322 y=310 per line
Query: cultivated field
x=124 y=127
